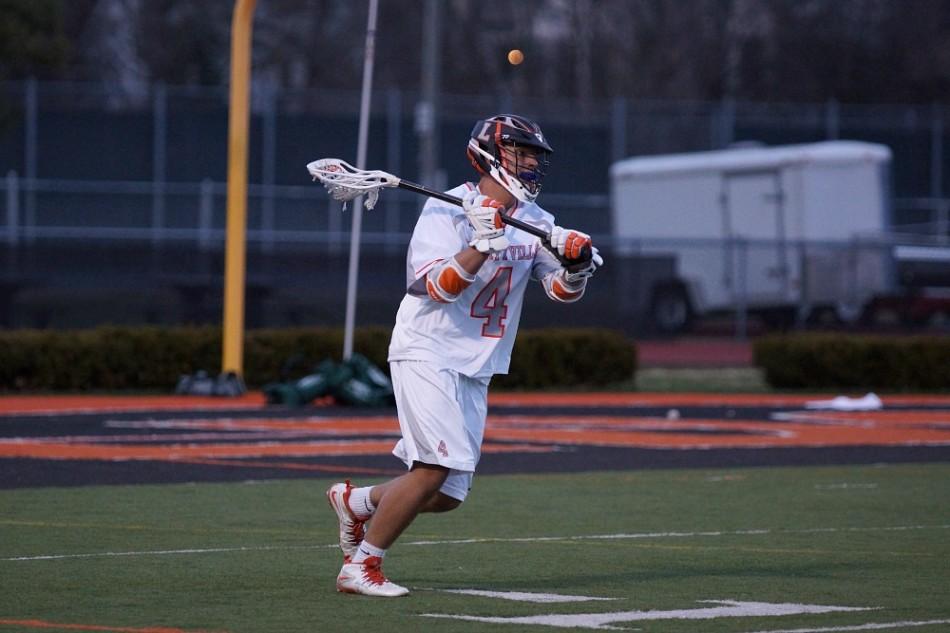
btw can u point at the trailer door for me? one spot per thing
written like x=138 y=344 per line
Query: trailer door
x=754 y=217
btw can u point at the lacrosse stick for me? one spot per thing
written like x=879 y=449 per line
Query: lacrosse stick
x=345 y=182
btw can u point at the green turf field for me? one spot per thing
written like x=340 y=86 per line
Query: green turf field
x=259 y=557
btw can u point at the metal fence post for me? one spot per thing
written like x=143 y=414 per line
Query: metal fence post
x=832 y=120
x=936 y=159
x=742 y=303
x=804 y=287
x=334 y=235
x=13 y=208
x=618 y=128
x=269 y=166
x=428 y=110
x=159 y=152
x=943 y=221
x=393 y=149
x=205 y=214
x=853 y=252
x=30 y=159
x=725 y=124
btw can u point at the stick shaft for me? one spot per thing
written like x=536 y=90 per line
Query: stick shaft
x=538 y=232
x=444 y=197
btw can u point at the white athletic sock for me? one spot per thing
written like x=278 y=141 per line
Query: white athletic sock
x=366 y=550
x=360 y=503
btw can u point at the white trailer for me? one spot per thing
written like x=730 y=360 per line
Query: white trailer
x=768 y=230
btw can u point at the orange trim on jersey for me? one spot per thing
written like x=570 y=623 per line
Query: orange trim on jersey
x=424 y=269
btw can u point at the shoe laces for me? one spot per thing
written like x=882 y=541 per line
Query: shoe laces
x=373 y=570
x=354 y=536
x=355 y=531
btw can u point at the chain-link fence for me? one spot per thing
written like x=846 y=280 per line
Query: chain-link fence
x=117 y=214
x=648 y=287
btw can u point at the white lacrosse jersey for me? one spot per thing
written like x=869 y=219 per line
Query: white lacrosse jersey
x=473 y=335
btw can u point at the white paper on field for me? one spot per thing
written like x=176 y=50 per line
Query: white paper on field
x=868 y=402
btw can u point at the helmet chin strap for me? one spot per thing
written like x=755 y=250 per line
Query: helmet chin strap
x=504 y=178
x=511 y=184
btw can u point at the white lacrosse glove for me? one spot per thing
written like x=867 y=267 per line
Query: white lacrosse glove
x=575 y=273
x=570 y=245
x=482 y=213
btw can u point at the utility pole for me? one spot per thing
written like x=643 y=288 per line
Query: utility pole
x=427 y=109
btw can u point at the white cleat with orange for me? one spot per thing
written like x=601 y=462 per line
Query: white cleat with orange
x=352 y=529
x=367 y=578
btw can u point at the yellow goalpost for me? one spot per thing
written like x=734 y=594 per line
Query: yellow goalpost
x=235 y=248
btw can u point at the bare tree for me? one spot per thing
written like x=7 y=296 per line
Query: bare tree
x=32 y=38
x=850 y=50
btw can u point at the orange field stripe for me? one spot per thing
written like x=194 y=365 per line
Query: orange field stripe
x=594 y=399
x=488 y=447
x=23 y=448
x=827 y=437
x=360 y=425
x=389 y=425
x=804 y=428
x=124 y=452
x=323 y=468
x=707 y=433
x=43 y=624
x=38 y=405
x=34 y=405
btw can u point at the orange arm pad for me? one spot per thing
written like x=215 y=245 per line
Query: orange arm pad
x=447 y=280
x=559 y=290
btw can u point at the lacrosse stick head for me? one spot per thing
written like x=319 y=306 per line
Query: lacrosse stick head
x=345 y=182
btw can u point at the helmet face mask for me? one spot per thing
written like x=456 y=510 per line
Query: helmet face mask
x=513 y=151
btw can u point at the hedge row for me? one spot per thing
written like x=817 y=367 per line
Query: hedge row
x=152 y=358
x=834 y=361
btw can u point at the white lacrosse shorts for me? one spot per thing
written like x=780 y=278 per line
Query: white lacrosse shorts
x=442 y=419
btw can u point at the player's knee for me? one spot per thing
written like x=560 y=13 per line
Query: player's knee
x=430 y=476
x=448 y=503
x=441 y=502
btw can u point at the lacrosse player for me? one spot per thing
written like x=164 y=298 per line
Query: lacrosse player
x=455 y=328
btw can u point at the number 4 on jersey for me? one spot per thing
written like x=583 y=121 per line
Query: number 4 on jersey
x=490 y=304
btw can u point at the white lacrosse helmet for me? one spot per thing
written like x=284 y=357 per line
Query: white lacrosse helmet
x=493 y=150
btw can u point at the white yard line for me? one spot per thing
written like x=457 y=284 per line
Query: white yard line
x=871 y=626
x=525 y=596
x=845 y=486
x=170 y=552
x=471 y=541
x=604 y=621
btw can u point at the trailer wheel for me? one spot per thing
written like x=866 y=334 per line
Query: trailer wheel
x=670 y=309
